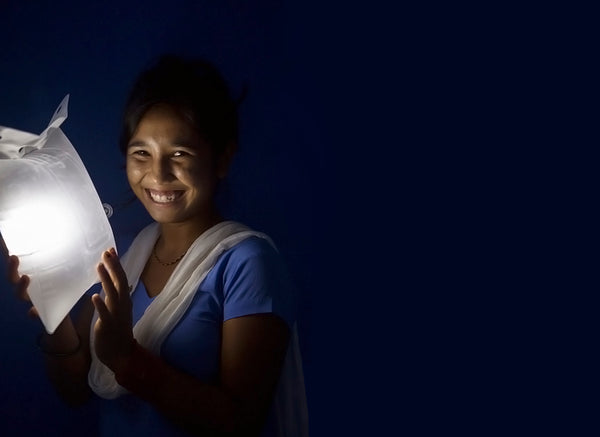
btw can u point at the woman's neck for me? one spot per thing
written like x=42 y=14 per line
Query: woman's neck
x=176 y=238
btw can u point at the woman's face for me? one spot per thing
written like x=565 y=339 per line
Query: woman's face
x=170 y=168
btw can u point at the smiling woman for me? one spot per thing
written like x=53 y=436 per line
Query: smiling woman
x=194 y=331
x=174 y=182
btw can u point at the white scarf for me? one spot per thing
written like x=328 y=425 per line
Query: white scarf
x=170 y=305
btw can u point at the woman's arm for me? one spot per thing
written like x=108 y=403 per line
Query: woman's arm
x=67 y=355
x=252 y=353
x=66 y=351
x=253 y=350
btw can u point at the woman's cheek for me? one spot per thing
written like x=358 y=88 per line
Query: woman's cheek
x=134 y=171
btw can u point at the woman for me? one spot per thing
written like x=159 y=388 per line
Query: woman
x=193 y=325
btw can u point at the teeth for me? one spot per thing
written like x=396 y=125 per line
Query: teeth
x=162 y=197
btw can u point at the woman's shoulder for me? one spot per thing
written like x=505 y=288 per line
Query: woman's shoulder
x=256 y=251
x=254 y=245
x=256 y=279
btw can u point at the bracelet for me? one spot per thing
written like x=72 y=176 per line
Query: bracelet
x=58 y=354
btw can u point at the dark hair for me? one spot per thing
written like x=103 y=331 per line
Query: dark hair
x=195 y=88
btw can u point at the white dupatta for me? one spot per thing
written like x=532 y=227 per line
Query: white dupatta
x=170 y=305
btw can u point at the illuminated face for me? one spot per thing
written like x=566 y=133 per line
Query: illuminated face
x=170 y=168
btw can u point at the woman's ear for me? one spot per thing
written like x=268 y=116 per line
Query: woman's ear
x=225 y=159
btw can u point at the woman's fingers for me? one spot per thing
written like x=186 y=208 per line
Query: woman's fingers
x=103 y=311
x=33 y=313
x=113 y=333
x=3 y=247
x=21 y=283
x=13 y=269
x=115 y=285
x=107 y=285
x=21 y=288
x=116 y=272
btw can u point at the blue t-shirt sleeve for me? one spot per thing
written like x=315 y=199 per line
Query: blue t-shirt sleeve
x=256 y=281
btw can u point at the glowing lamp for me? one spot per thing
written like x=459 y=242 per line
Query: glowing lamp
x=51 y=217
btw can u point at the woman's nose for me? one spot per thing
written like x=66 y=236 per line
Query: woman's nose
x=161 y=170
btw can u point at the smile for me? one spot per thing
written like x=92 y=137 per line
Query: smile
x=164 y=197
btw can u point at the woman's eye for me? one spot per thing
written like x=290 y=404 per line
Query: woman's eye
x=140 y=153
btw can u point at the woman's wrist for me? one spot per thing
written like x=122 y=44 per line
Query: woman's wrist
x=121 y=361
x=63 y=342
x=140 y=372
x=57 y=350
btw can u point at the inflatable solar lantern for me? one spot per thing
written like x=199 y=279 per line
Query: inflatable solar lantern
x=51 y=217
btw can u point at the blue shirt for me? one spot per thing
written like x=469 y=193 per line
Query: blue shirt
x=249 y=278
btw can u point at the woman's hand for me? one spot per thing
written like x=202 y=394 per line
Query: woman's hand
x=21 y=283
x=113 y=329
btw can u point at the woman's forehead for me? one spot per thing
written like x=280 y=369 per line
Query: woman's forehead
x=166 y=120
x=163 y=125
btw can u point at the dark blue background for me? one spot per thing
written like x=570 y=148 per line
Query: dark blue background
x=391 y=154
x=303 y=65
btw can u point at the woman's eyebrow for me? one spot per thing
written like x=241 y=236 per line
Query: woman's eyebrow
x=183 y=142
x=136 y=143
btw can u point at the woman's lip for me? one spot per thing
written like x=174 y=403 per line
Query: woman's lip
x=163 y=197
x=158 y=192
